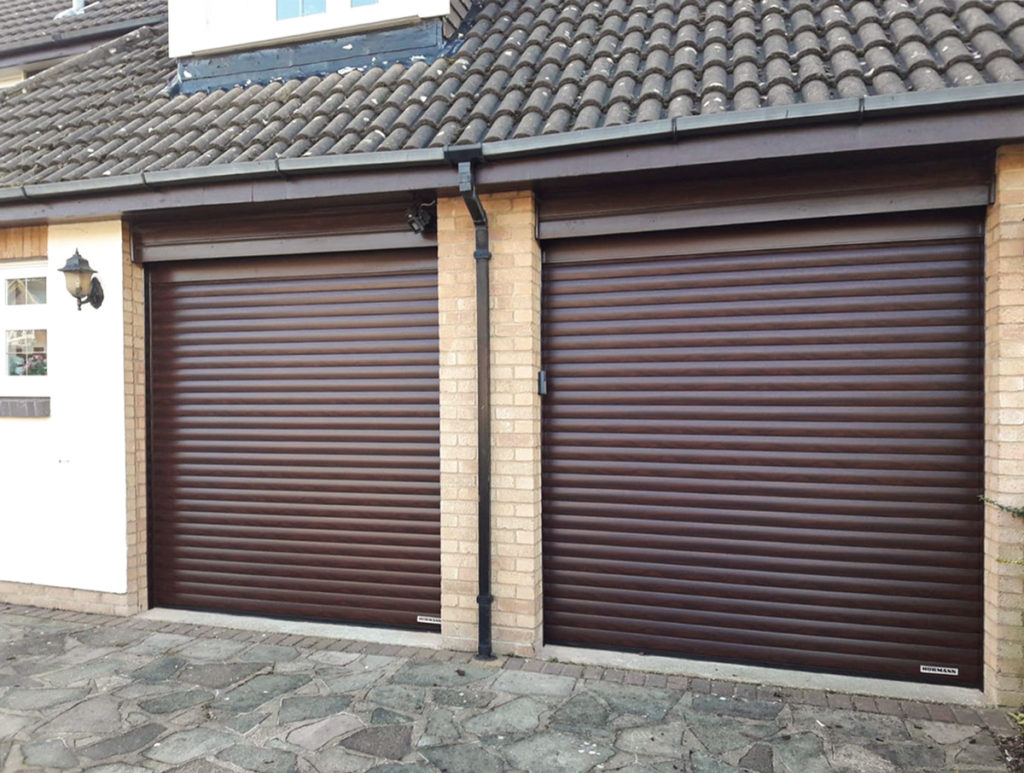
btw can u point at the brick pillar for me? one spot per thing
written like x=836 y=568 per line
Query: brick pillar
x=515 y=405
x=1004 y=432
x=137 y=598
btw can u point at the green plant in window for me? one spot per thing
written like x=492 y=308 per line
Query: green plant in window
x=26 y=353
x=36 y=365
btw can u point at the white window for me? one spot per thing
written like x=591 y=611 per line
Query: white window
x=201 y=28
x=289 y=9
x=23 y=328
x=26 y=352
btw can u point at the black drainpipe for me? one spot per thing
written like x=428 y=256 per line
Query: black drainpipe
x=464 y=158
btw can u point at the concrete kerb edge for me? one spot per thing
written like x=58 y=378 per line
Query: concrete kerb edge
x=776 y=677
x=425 y=640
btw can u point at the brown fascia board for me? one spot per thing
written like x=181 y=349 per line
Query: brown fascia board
x=987 y=127
x=986 y=117
x=78 y=41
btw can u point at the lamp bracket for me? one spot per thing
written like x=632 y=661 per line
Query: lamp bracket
x=95 y=296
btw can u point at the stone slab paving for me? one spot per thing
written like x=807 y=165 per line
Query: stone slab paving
x=128 y=695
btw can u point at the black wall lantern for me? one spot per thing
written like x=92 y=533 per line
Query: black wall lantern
x=81 y=282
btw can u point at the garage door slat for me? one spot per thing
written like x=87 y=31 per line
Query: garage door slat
x=382 y=591
x=294 y=563
x=309 y=466
x=736 y=311
x=312 y=606
x=788 y=522
x=665 y=548
x=722 y=641
x=813 y=620
x=655 y=472
x=618 y=586
x=823 y=325
x=769 y=457
x=199 y=452
x=295 y=438
x=663 y=578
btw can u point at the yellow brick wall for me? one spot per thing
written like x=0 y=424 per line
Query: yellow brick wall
x=515 y=416
x=1004 y=432
x=135 y=424
x=72 y=599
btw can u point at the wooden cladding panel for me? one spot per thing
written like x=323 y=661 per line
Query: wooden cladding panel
x=23 y=242
x=768 y=456
x=295 y=437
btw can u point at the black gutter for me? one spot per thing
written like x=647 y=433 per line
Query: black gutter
x=840 y=111
x=464 y=158
x=679 y=132
x=981 y=117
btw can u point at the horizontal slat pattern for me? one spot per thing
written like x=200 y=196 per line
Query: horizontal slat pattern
x=767 y=457
x=759 y=196
x=295 y=439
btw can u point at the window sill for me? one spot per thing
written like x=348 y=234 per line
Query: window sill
x=24 y=407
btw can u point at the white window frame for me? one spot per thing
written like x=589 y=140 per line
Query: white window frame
x=201 y=27
x=34 y=316
x=302 y=10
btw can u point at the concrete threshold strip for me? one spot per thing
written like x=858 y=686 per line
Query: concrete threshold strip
x=775 y=677
x=694 y=669
x=296 y=627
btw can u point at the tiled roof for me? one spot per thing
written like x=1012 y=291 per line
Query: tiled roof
x=525 y=68
x=456 y=16
x=28 y=21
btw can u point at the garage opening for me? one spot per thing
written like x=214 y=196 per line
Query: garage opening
x=764 y=444
x=295 y=436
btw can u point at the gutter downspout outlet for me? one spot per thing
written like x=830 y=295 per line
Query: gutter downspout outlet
x=464 y=158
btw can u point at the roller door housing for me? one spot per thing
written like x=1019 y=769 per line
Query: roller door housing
x=764 y=445
x=294 y=440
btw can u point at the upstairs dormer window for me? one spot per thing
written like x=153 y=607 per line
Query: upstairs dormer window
x=199 y=28
x=290 y=9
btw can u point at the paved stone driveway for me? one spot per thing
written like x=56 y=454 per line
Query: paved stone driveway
x=119 y=695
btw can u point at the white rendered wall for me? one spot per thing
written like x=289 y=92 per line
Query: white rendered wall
x=200 y=26
x=62 y=479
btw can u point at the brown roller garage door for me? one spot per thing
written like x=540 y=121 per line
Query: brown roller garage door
x=765 y=446
x=294 y=438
